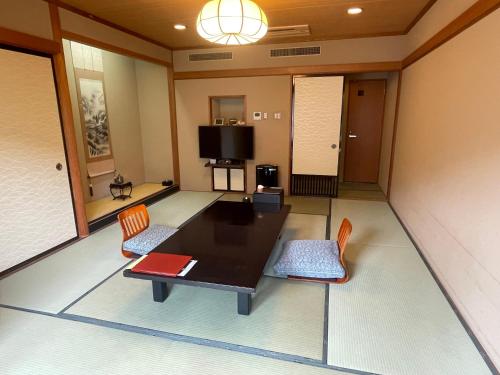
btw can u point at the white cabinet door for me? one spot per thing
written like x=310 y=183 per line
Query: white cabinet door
x=237 y=179
x=316 y=125
x=220 y=178
x=35 y=201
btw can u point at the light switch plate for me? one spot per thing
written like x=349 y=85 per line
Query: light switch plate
x=257 y=116
x=265 y=115
x=277 y=115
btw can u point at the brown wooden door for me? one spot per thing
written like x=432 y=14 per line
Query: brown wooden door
x=364 y=130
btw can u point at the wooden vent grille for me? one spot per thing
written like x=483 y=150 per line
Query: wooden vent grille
x=314 y=185
x=300 y=51
x=210 y=56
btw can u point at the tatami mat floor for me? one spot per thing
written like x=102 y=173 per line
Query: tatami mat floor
x=361 y=191
x=54 y=282
x=391 y=318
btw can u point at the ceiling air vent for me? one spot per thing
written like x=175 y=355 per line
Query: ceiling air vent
x=300 y=51
x=288 y=31
x=210 y=56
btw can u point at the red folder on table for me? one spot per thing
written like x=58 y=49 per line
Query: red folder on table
x=162 y=264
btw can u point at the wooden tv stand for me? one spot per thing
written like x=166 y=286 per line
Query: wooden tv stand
x=229 y=177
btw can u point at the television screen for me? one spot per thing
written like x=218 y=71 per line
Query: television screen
x=226 y=142
x=210 y=142
x=237 y=142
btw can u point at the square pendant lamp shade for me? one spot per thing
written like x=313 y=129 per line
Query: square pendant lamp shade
x=231 y=22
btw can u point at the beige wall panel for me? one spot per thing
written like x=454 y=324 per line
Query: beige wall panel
x=81 y=25
x=345 y=51
x=37 y=208
x=152 y=90
x=272 y=137
x=440 y=15
x=446 y=182
x=391 y=95
x=27 y=16
x=124 y=119
x=317 y=119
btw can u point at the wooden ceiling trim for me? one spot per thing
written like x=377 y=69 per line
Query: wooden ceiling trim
x=112 y=48
x=388 y=66
x=22 y=40
x=419 y=16
x=95 y=18
x=475 y=13
x=312 y=40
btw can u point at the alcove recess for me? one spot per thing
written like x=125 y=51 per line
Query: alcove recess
x=227 y=110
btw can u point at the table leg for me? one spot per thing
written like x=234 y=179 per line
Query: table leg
x=160 y=291
x=244 y=303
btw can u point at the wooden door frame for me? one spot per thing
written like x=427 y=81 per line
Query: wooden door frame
x=344 y=139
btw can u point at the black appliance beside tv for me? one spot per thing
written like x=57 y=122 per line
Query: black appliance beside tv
x=226 y=142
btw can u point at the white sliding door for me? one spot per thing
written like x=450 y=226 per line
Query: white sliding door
x=36 y=209
x=316 y=125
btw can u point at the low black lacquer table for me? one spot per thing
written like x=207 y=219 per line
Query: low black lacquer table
x=231 y=242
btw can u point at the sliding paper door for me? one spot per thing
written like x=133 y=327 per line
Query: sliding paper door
x=316 y=125
x=316 y=133
x=36 y=209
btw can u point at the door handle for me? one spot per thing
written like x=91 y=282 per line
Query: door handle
x=334 y=146
x=353 y=136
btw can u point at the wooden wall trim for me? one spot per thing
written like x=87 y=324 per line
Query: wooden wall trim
x=111 y=48
x=21 y=40
x=173 y=125
x=476 y=12
x=115 y=26
x=68 y=126
x=293 y=70
x=394 y=134
x=419 y=16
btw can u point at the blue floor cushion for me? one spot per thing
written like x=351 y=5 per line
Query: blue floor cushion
x=148 y=239
x=310 y=258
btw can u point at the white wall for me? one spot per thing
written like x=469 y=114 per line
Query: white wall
x=124 y=122
x=390 y=48
x=26 y=16
x=154 y=110
x=84 y=26
x=439 y=15
x=445 y=181
x=272 y=137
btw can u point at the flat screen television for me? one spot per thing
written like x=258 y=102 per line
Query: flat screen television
x=226 y=142
x=209 y=141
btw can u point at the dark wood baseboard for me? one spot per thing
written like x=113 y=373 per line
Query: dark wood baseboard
x=110 y=218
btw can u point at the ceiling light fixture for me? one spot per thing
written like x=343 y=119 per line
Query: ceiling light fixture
x=231 y=22
x=355 y=10
x=179 y=26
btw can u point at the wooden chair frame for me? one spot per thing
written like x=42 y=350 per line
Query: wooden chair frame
x=133 y=221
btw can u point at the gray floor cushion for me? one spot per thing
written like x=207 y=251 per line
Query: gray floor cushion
x=310 y=258
x=148 y=239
